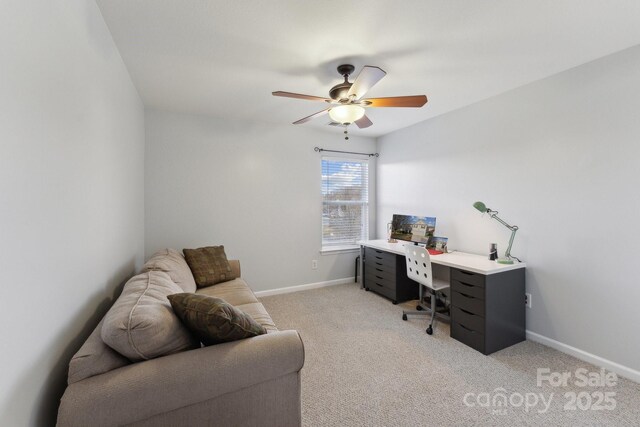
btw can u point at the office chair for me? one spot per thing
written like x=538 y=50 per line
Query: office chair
x=419 y=270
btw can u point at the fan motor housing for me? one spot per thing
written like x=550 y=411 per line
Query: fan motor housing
x=340 y=91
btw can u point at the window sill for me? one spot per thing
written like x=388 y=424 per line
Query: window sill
x=330 y=250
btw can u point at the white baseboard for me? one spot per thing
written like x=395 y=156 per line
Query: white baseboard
x=623 y=371
x=304 y=287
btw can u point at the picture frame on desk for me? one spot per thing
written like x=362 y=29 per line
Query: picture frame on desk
x=437 y=245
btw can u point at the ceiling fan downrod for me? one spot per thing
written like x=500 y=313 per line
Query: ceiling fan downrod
x=339 y=92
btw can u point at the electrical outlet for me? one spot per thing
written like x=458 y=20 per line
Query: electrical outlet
x=527 y=300
x=314 y=264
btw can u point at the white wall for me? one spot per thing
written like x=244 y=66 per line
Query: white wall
x=559 y=158
x=253 y=188
x=71 y=193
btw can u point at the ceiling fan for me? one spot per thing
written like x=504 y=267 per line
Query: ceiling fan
x=346 y=98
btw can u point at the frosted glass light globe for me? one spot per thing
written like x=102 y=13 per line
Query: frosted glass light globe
x=346 y=114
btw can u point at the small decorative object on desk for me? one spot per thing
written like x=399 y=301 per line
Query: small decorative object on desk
x=389 y=238
x=437 y=245
x=493 y=251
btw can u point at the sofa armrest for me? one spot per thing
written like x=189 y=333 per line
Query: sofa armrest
x=235 y=266
x=141 y=390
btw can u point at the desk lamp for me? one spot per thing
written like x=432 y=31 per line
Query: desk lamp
x=508 y=259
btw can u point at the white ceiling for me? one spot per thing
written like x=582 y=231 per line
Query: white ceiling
x=224 y=58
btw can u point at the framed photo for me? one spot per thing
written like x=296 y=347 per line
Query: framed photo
x=438 y=244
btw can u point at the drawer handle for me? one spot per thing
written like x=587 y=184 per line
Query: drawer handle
x=465 y=311
x=377 y=263
x=378 y=252
x=464 y=327
x=465 y=295
x=466 y=273
x=377 y=269
x=381 y=278
x=378 y=257
x=378 y=284
x=469 y=285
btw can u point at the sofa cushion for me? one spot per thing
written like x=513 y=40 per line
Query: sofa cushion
x=141 y=324
x=209 y=265
x=235 y=292
x=94 y=358
x=258 y=313
x=213 y=320
x=173 y=263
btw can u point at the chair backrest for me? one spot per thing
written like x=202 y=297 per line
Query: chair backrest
x=418 y=265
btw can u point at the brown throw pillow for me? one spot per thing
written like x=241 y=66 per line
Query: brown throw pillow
x=213 y=320
x=209 y=265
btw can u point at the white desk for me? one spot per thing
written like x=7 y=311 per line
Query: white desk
x=470 y=262
x=487 y=299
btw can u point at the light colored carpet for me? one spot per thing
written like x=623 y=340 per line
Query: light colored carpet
x=364 y=366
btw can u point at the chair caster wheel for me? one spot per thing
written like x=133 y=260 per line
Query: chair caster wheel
x=419 y=307
x=394 y=302
x=430 y=330
x=404 y=316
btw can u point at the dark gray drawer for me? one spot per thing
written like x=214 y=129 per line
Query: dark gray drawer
x=473 y=339
x=468 y=319
x=372 y=281
x=468 y=303
x=468 y=277
x=467 y=288
x=377 y=287
x=380 y=258
x=380 y=270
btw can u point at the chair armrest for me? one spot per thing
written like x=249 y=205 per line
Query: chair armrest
x=141 y=390
x=235 y=267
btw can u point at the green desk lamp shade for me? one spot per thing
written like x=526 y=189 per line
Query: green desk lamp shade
x=480 y=206
x=508 y=259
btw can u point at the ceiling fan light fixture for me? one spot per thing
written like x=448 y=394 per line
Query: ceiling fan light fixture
x=346 y=114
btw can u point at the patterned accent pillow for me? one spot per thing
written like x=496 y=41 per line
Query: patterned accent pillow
x=213 y=320
x=209 y=265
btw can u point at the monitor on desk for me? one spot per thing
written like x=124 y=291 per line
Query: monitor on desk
x=411 y=228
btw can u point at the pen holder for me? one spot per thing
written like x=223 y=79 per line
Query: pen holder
x=493 y=251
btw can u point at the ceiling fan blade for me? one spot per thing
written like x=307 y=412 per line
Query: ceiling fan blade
x=300 y=96
x=367 y=78
x=363 y=122
x=397 y=101
x=313 y=116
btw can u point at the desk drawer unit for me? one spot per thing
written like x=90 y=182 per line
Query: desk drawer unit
x=385 y=273
x=487 y=311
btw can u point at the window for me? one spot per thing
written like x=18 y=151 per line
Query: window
x=345 y=202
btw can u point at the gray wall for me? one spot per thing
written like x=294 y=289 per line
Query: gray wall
x=559 y=158
x=71 y=193
x=254 y=188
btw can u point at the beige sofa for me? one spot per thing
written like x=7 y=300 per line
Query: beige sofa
x=252 y=382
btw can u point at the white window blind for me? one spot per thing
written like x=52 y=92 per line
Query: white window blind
x=345 y=201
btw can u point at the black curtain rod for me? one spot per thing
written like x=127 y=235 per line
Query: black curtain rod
x=319 y=150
